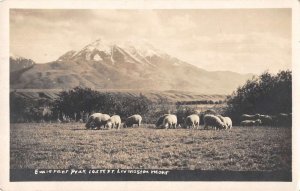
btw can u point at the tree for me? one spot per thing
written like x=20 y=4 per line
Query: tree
x=78 y=100
x=265 y=94
x=26 y=109
x=18 y=106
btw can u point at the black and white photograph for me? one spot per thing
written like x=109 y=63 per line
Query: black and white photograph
x=150 y=94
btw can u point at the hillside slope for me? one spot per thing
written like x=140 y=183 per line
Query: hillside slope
x=133 y=66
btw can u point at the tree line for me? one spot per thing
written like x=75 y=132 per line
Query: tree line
x=267 y=93
x=78 y=103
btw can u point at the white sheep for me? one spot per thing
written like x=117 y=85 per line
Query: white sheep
x=170 y=121
x=213 y=121
x=250 y=117
x=114 y=122
x=267 y=120
x=251 y=122
x=97 y=120
x=160 y=121
x=134 y=119
x=221 y=118
x=192 y=121
x=226 y=120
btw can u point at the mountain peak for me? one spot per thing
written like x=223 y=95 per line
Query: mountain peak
x=99 y=45
x=133 y=50
x=133 y=64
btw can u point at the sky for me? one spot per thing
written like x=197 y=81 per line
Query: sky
x=239 y=40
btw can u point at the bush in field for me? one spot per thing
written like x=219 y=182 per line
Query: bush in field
x=26 y=109
x=265 y=94
x=127 y=105
x=72 y=102
x=85 y=100
x=18 y=107
x=182 y=112
x=157 y=109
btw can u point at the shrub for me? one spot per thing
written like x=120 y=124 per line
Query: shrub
x=26 y=109
x=157 y=109
x=182 y=112
x=85 y=100
x=73 y=102
x=265 y=94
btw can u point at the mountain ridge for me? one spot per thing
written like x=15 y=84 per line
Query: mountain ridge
x=102 y=65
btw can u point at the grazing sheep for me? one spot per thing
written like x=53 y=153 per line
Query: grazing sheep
x=221 y=118
x=226 y=120
x=207 y=112
x=250 y=117
x=170 y=121
x=251 y=122
x=192 y=121
x=267 y=120
x=134 y=119
x=114 y=122
x=213 y=121
x=97 y=120
x=89 y=123
x=160 y=121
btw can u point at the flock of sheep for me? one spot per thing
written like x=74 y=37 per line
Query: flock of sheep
x=267 y=120
x=218 y=122
x=104 y=121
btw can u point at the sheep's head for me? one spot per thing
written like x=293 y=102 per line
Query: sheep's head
x=92 y=124
x=108 y=125
x=89 y=125
x=158 y=123
x=224 y=126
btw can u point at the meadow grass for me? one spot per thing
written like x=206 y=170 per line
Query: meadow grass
x=70 y=145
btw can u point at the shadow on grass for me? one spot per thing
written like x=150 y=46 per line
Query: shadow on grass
x=79 y=129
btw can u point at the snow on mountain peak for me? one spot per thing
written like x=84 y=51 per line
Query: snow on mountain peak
x=97 y=58
x=140 y=46
x=99 y=45
x=139 y=50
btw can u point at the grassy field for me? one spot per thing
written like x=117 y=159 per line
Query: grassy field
x=53 y=146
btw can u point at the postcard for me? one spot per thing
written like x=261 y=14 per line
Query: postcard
x=127 y=95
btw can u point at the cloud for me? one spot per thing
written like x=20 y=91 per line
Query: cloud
x=238 y=40
x=253 y=52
